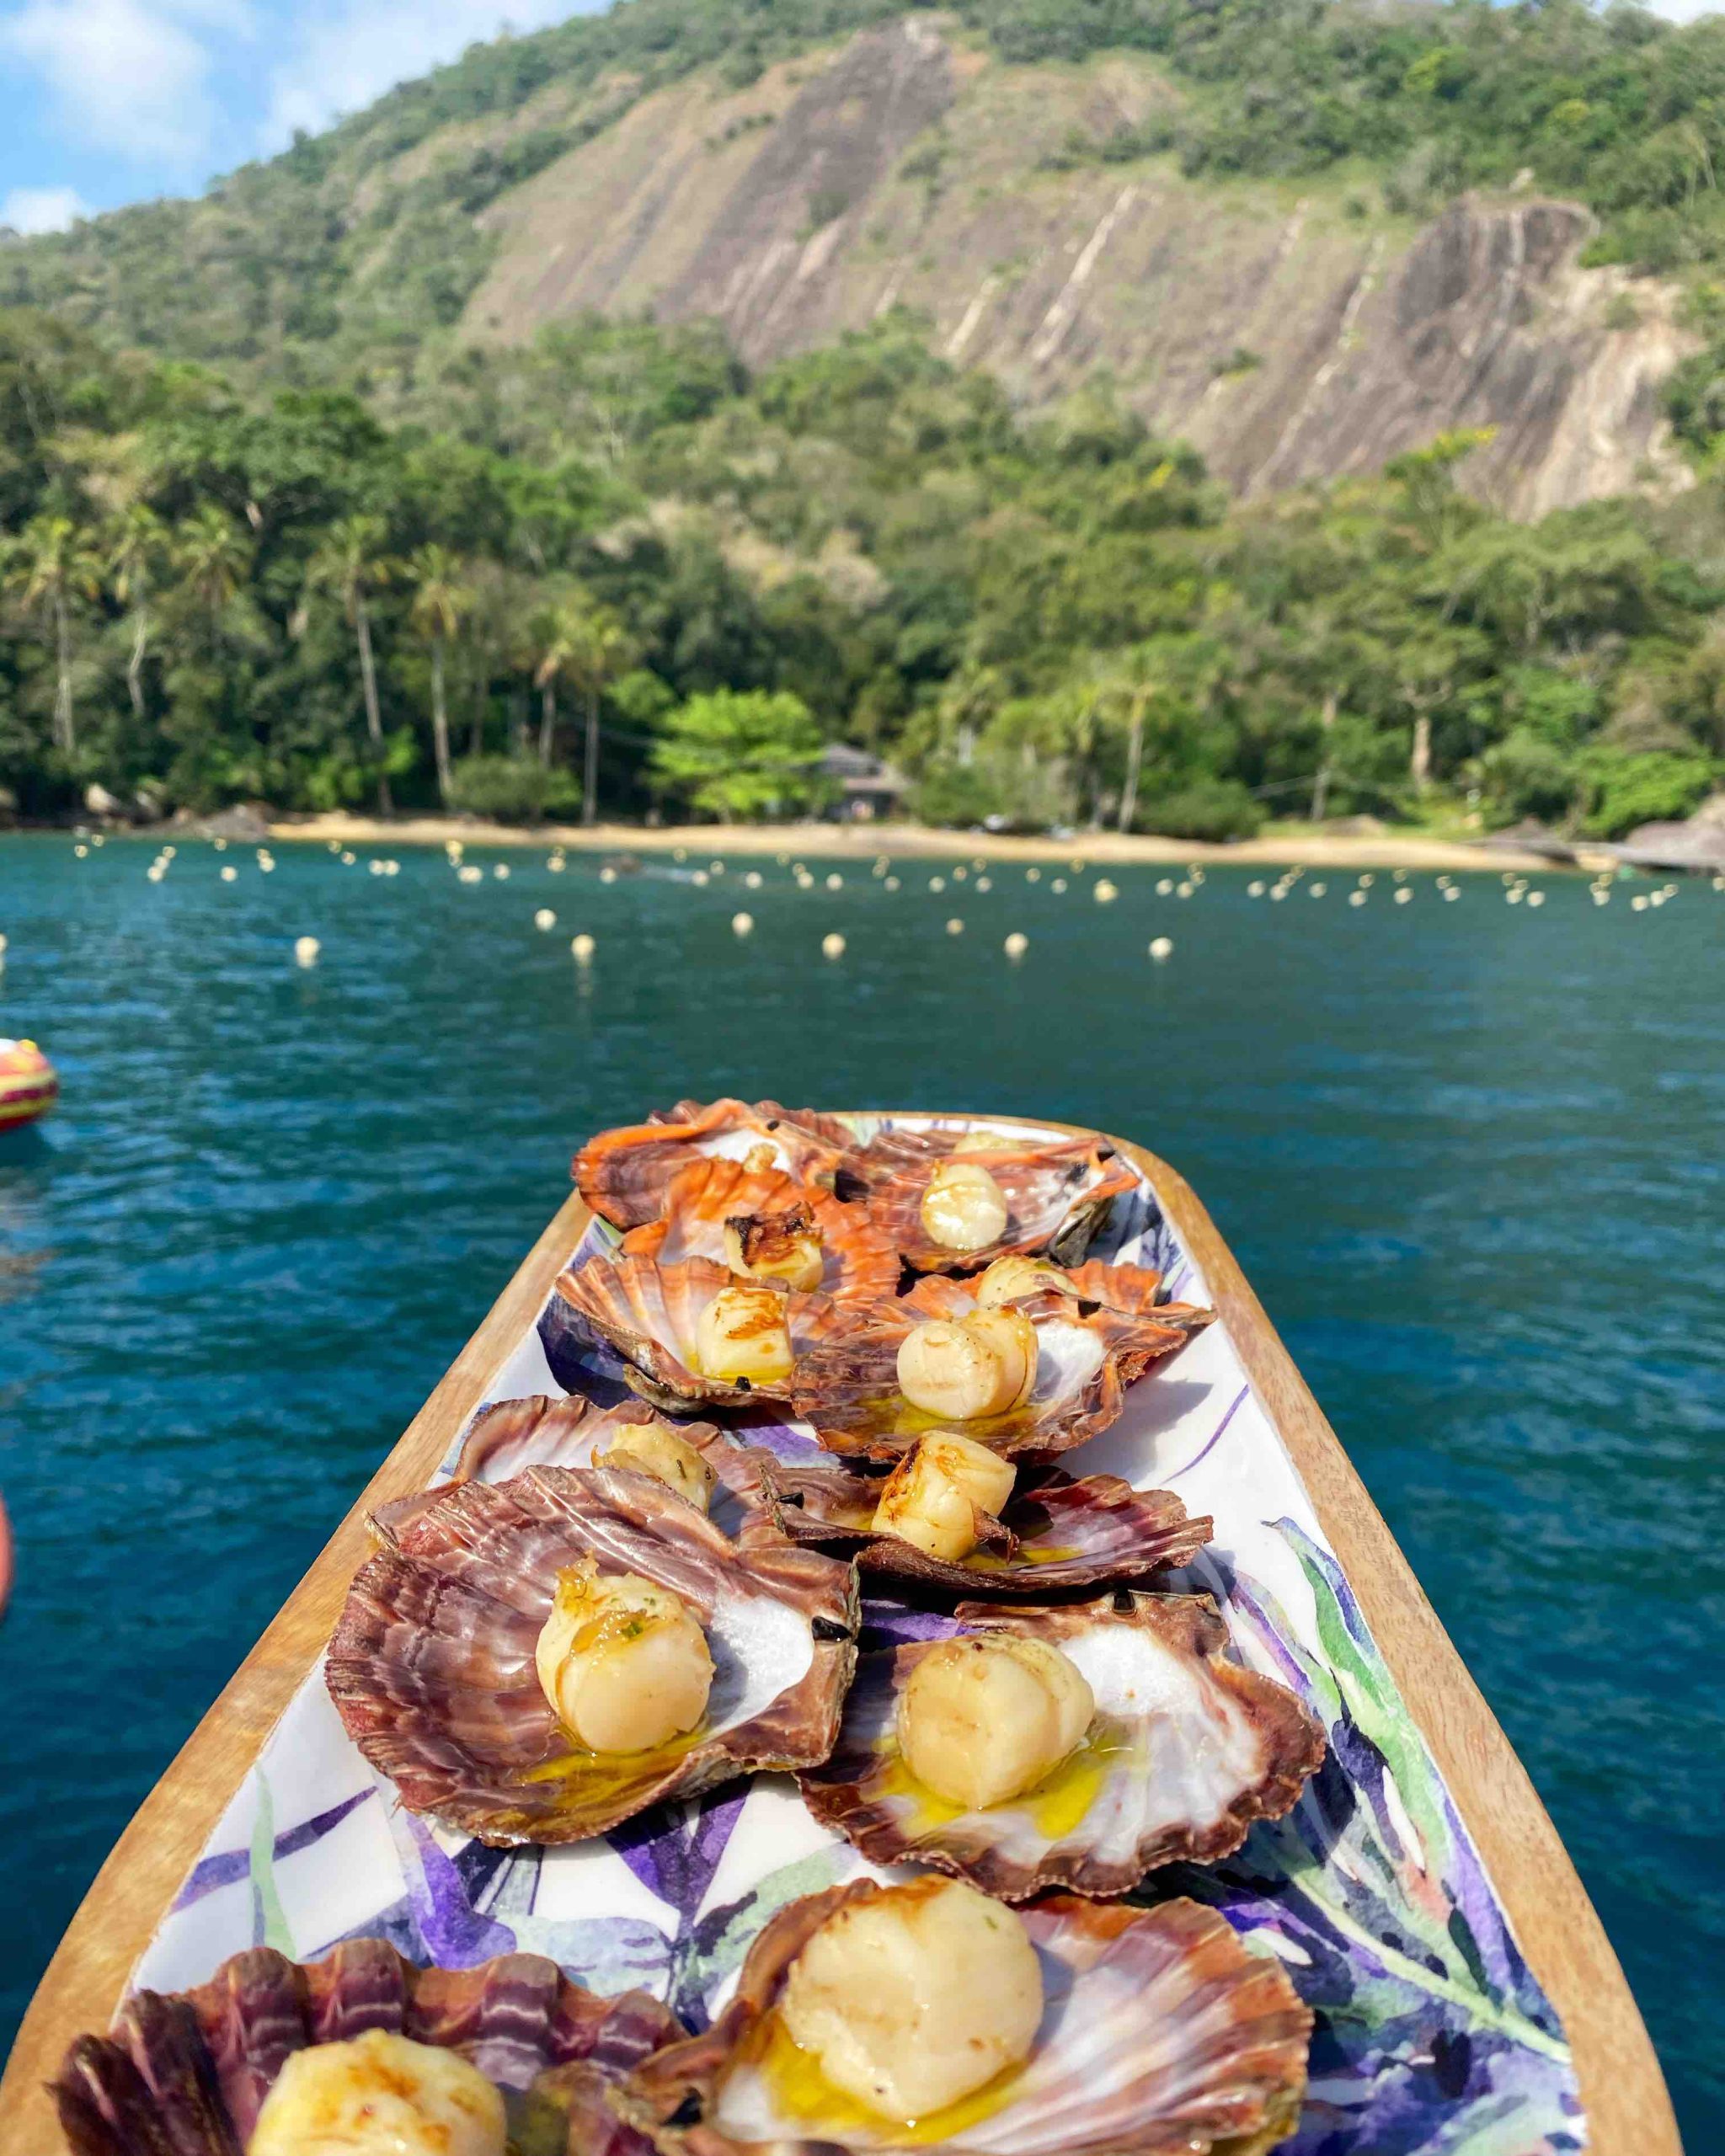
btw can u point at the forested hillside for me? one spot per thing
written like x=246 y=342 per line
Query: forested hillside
x=213 y=595
x=1097 y=404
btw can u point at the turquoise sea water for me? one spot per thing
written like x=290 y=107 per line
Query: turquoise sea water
x=1472 y=1155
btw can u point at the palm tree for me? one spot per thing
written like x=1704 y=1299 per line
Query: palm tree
x=585 y=645
x=136 y=545
x=351 y=564
x=441 y=602
x=214 y=556
x=1136 y=680
x=52 y=566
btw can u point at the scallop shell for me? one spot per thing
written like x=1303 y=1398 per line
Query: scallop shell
x=624 y=1174
x=538 y=1431
x=1087 y=1356
x=1054 y=1532
x=188 y=2073
x=859 y=1265
x=431 y=1668
x=1188 y=1748
x=648 y=1312
x=1163 y=2036
x=1057 y=1196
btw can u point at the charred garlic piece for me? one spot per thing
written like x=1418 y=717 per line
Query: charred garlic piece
x=623 y=1661
x=744 y=1336
x=783 y=1246
x=932 y=1497
x=970 y=1368
x=915 y=1997
x=653 y=1448
x=963 y=1208
x=985 y=1718
x=379 y=2095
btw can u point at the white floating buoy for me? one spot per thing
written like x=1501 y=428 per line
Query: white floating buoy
x=347 y=860
x=985 y=883
x=168 y=852
x=835 y=882
x=1450 y=892
x=1402 y=895
x=221 y=846
x=306 y=949
x=1277 y=892
x=961 y=873
x=501 y=872
x=715 y=868
x=376 y=867
x=1106 y=893
x=557 y=864
x=581 y=948
x=891 y=883
x=936 y=883
x=607 y=875
x=782 y=859
x=1184 y=890
x=680 y=853
x=752 y=880
x=1164 y=884
x=1316 y=890
x=1398 y=876
x=1535 y=898
x=1356 y=897
x=1252 y=890
x=1016 y=945
x=1442 y=882
x=979 y=862
x=471 y=874
x=1076 y=867
x=742 y=924
x=1032 y=875
x=1638 y=903
x=955 y=926
x=454 y=849
x=1513 y=895
x=80 y=853
x=1600 y=898
x=1161 y=947
x=832 y=945
x=156 y=871
x=229 y=873
x=545 y=919
x=1058 y=885
x=700 y=879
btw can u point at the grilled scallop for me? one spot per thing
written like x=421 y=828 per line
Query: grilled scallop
x=270 y=2054
x=1050 y=1535
x=625 y=1175
x=692 y=1334
x=973 y=1202
x=1029 y=1379
x=764 y=1224
x=1182 y=1750
x=1160 y=2035
x=452 y=1678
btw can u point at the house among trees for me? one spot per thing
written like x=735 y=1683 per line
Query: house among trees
x=865 y=790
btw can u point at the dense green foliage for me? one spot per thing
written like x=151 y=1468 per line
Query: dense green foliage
x=346 y=255
x=614 y=535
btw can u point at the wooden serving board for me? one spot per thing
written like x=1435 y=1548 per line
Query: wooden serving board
x=1565 y=1988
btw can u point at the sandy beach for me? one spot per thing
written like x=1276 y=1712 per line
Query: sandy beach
x=865 y=841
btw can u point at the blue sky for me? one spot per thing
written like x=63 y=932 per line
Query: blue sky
x=110 y=101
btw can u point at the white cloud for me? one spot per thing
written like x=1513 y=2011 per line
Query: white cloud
x=343 y=57
x=131 y=76
x=42 y=209
x=1682 y=10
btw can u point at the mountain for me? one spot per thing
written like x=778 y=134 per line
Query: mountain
x=1303 y=238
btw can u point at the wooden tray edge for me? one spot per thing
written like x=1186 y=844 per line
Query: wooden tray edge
x=1628 y=2111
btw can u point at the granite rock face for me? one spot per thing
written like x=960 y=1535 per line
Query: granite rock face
x=1288 y=335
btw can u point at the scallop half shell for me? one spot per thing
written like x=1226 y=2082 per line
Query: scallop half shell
x=649 y=1313
x=1087 y=1356
x=539 y=1431
x=1057 y=1196
x=432 y=1665
x=188 y=2072
x=624 y=1174
x=1186 y=1749
x=1161 y=2036
x=859 y=1266
x=1054 y=1533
